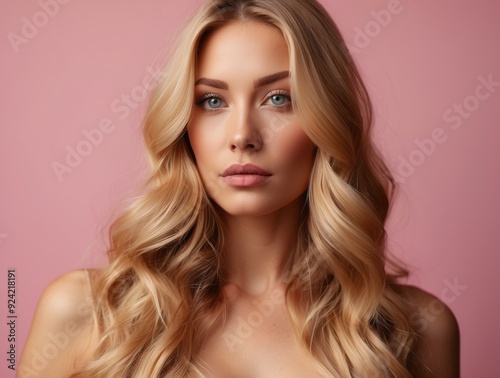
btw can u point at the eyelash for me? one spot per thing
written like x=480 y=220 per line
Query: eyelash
x=283 y=93
x=281 y=108
x=199 y=102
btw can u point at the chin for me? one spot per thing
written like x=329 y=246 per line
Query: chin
x=245 y=211
x=255 y=208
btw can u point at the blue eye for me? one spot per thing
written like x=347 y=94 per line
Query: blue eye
x=278 y=99
x=209 y=102
x=214 y=102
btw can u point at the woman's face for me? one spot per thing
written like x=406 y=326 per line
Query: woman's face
x=243 y=115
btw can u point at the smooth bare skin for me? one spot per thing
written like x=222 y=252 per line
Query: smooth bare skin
x=248 y=127
x=252 y=126
x=260 y=221
x=62 y=332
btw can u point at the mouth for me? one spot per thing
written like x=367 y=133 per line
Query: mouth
x=244 y=169
x=245 y=175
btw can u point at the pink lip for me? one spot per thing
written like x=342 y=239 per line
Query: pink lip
x=244 y=175
x=245 y=169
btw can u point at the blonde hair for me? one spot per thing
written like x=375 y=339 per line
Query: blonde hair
x=161 y=293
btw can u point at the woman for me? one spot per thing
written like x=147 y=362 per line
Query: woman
x=258 y=247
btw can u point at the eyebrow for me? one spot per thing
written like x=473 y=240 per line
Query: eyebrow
x=257 y=83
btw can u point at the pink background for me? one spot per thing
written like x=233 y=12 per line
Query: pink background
x=74 y=68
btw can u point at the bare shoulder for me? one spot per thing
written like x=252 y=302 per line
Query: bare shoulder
x=63 y=328
x=66 y=296
x=437 y=350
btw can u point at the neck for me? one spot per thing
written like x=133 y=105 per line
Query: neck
x=257 y=248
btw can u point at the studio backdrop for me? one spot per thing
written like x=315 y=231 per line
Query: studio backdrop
x=74 y=81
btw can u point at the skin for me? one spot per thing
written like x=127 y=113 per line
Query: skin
x=244 y=124
x=252 y=124
x=256 y=338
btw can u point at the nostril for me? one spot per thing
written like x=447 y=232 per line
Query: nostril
x=244 y=145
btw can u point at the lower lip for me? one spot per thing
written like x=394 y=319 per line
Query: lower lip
x=245 y=180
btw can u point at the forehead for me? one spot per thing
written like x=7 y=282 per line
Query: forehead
x=243 y=46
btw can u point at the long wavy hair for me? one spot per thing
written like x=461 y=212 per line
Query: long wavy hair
x=160 y=295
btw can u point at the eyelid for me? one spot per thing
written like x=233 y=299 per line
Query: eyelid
x=279 y=92
x=206 y=96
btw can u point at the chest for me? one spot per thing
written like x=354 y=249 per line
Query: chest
x=255 y=340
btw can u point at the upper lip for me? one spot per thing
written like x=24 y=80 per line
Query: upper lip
x=241 y=169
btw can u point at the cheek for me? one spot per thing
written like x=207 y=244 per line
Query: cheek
x=205 y=145
x=297 y=146
x=202 y=143
x=206 y=137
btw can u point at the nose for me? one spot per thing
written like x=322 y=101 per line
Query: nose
x=244 y=134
